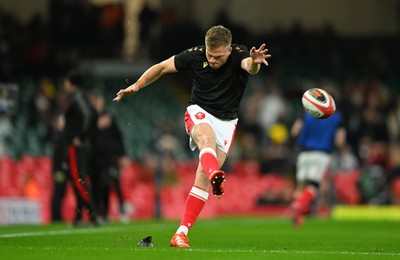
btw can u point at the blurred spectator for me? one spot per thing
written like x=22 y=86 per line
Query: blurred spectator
x=393 y=180
x=11 y=35
x=108 y=157
x=275 y=156
x=59 y=170
x=6 y=132
x=273 y=107
x=35 y=46
x=180 y=26
x=148 y=17
x=250 y=149
x=110 y=31
x=249 y=113
x=61 y=176
x=167 y=149
x=237 y=29
x=80 y=125
x=43 y=105
x=345 y=160
x=393 y=120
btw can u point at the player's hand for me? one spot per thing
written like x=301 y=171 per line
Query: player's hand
x=132 y=89
x=260 y=55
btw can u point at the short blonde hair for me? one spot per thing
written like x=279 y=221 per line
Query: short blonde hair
x=218 y=36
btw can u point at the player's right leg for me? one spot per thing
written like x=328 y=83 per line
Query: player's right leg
x=209 y=162
x=204 y=137
x=301 y=206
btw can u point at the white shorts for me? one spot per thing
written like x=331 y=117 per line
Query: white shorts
x=312 y=165
x=224 y=130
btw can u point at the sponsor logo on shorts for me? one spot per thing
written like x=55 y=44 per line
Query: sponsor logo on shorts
x=200 y=115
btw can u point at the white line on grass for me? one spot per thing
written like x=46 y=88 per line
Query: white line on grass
x=59 y=232
x=244 y=251
x=235 y=251
x=114 y=229
x=303 y=252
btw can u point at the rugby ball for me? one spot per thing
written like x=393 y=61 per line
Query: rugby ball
x=318 y=103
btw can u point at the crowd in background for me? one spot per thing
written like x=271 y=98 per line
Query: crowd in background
x=360 y=72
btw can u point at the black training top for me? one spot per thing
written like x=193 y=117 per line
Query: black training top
x=80 y=119
x=218 y=91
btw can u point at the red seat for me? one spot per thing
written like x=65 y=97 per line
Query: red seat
x=396 y=189
x=345 y=185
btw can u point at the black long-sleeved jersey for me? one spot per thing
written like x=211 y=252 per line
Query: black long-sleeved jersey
x=80 y=119
x=108 y=141
x=218 y=91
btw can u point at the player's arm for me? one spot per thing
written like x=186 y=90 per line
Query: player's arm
x=148 y=77
x=296 y=128
x=257 y=56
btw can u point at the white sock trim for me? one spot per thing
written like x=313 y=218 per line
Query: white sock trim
x=199 y=193
x=183 y=229
x=208 y=150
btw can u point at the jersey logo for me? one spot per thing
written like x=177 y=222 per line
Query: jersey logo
x=238 y=49
x=196 y=49
x=205 y=64
x=225 y=142
x=200 y=115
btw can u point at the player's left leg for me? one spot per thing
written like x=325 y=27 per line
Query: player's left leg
x=195 y=202
x=301 y=205
x=311 y=167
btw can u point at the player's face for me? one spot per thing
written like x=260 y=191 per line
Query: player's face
x=217 y=57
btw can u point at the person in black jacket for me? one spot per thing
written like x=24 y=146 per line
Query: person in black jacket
x=80 y=123
x=108 y=155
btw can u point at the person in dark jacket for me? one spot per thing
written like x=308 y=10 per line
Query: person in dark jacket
x=80 y=123
x=108 y=156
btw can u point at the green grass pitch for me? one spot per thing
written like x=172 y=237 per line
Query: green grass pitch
x=220 y=238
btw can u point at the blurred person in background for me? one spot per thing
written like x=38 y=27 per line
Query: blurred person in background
x=273 y=107
x=220 y=72
x=61 y=177
x=317 y=139
x=107 y=158
x=80 y=124
x=6 y=131
x=59 y=168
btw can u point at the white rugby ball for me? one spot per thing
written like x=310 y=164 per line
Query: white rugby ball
x=318 y=103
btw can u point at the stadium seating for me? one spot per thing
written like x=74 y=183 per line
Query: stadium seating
x=345 y=184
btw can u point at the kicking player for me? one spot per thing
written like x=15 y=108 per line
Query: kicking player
x=220 y=71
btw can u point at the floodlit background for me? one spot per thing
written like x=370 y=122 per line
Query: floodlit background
x=348 y=47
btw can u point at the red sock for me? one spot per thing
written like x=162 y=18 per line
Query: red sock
x=195 y=202
x=208 y=160
x=308 y=195
x=305 y=199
